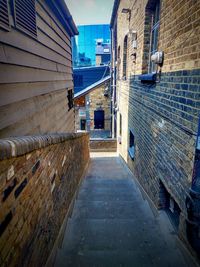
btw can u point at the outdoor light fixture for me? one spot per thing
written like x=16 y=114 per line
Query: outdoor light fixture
x=133 y=35
x=158 y=58
x=88 y=102
x=127 y=11
x=106 y=91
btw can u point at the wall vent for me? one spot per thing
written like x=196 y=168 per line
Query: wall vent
x=25 y=16
x=4 y=15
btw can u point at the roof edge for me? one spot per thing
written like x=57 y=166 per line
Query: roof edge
x=91 y=67
x=91 y=87
x=67 y=15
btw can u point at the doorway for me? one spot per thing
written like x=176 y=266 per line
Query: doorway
x=99 y=119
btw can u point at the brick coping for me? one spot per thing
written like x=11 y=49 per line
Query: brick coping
x=18 y=146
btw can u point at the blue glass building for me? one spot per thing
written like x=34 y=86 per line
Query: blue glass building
x=86 y=43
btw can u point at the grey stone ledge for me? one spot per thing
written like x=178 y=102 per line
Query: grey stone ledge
x=18 y=146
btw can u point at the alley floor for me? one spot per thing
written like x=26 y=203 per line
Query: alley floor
x=113 y=225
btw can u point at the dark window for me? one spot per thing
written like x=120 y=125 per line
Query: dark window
x=131 y=149
x=83 y=124
x=118 y=62
x=120 y=124
x=4 y=15
x=125 y=57
x=78 y=80
x=70 y=99
x=154 y=33
x=25 y=16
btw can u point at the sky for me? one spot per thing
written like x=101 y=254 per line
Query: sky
x=87 y=12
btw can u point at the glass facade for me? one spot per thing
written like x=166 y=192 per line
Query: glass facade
x=85 y=43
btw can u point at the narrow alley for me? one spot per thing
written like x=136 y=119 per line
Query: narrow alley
x=112 y=223
x=99 y=133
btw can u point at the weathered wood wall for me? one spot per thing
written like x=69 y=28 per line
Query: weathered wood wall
x=35 y=74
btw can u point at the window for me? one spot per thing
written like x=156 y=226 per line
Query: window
x=25 y=16
x=120 y=129
x=120 y=124
x=125 y=57
x=4 y=15
x=154 y=33
x=131 y=149
x=78 y=80
x=83 y=124
x=70 y=99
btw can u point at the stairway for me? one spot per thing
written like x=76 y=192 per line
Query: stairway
x=112 y=225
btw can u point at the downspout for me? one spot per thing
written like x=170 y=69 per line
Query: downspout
x=111 y=81
x=193 y=202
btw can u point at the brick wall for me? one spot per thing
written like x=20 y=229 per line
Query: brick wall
x=162 y=116
x=38 y=179
x=94 y=100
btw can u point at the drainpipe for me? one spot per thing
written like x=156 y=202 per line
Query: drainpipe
x=193 y=202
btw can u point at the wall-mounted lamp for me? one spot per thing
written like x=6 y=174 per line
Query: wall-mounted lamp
x=88 y=102
x=133 y=36
x=127 y=11
x=158 y=58
x=106 y=91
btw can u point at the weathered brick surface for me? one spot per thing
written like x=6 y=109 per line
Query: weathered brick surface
x=164 y=116
x=37 y=184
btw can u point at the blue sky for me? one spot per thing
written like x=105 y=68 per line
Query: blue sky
x=87 y=12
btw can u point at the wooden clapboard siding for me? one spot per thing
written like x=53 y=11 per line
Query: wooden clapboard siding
x=45 y=28
x=51 y=17
x=27 y=90
x=23 y=74
x=26 y=108
x=25 y=116
x=24 y=42
x=13 y=55
x=48 y=42
x=35 y=74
